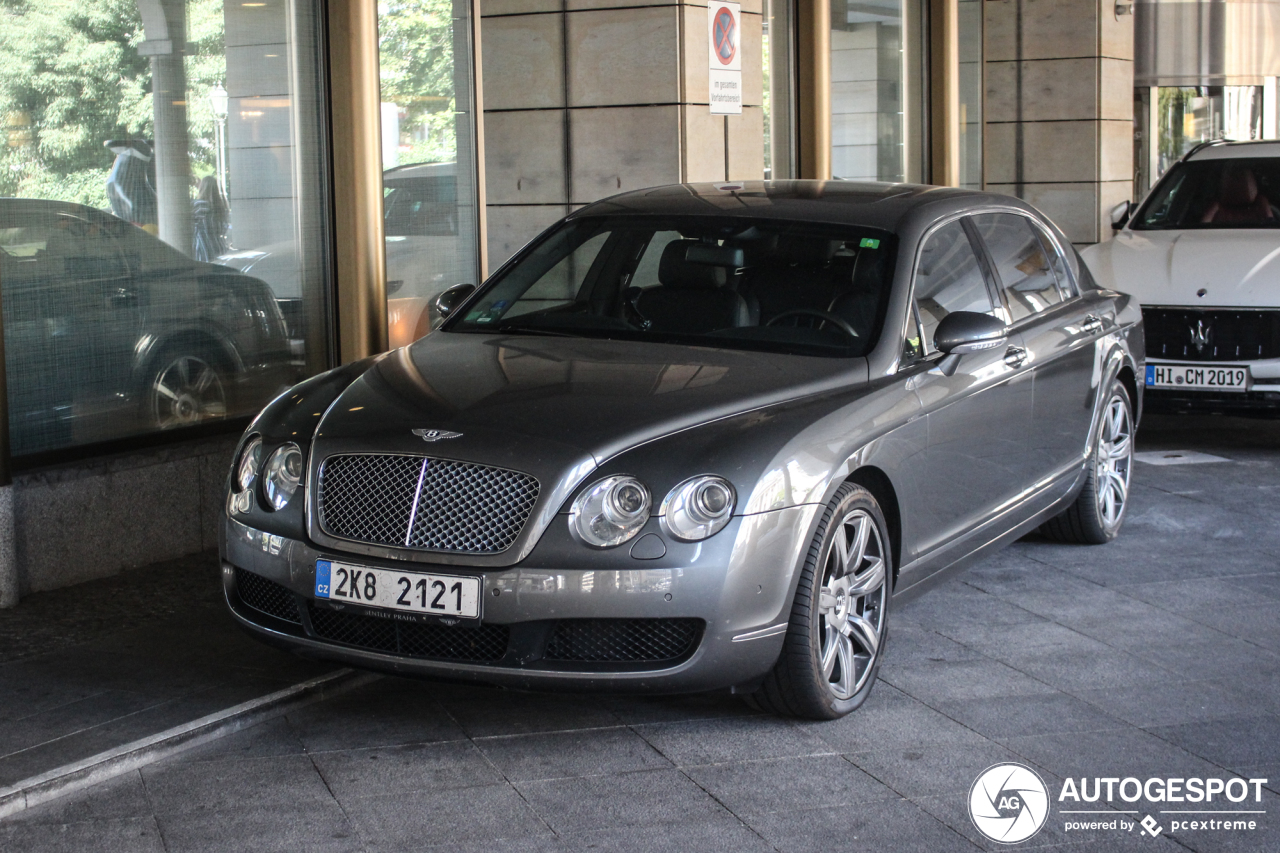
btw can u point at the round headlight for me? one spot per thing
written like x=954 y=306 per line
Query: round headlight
x=698 y=508
x=250 y=459
x=610 y=512
x=282 y=474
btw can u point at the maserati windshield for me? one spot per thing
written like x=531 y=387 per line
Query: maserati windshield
x=731 y=283
x=1227 y=193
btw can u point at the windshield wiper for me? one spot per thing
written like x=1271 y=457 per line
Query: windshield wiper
x=529 y=330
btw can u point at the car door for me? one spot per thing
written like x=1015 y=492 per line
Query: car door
x=1057 y=329
x=978 y=417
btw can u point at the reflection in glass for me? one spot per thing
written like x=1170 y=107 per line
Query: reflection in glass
x=866 y=90
x=969 y=21
x=1189 y=115
x=428 y=158
x=143 y=141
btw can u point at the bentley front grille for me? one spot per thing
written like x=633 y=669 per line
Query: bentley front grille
x=1224 y=334
x=267 y=596
x=483 y=643
x=424 y=503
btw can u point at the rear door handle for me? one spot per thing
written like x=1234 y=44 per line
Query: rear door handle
x=1015 y=356
x=1092 y=325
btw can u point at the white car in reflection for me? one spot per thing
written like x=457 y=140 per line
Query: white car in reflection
x=427 y=252
x=1202 y=256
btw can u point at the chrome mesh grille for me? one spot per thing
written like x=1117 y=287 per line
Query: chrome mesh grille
x=619 y=640
x=459 y=506
x=267 y=596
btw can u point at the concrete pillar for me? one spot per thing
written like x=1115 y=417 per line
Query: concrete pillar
x=1060 y=109
x=165 y=25
x=582 y=103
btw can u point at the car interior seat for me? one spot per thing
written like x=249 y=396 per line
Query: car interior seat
x=1239 y=201
x=798 y=274
x=691 y=298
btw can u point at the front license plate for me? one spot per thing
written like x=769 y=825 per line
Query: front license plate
x=408 y=592
x=1198 y=377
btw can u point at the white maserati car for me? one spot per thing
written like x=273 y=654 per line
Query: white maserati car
x=1202 y=255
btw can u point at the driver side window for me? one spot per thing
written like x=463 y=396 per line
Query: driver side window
x=948 y=278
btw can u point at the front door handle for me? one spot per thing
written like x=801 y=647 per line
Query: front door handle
x=1015 y=356
x=1092 y=325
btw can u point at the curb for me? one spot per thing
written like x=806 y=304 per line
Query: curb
x=78 y=775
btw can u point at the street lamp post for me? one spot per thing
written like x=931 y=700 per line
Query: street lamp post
x=218 y=99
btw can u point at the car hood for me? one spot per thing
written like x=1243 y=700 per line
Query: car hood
x=537 y=402
x=1233 y=268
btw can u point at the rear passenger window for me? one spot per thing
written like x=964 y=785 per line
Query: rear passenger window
x=948 y=279
x=1024 y=262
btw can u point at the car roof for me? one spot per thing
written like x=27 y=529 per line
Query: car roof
x=1228 y=150
x=419 y=170
x=37 y=205
x=866 y=203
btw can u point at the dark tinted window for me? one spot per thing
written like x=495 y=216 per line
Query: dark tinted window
x=421 y=207
x=1235 y=193
x=731 y=283
x=1024 y=262
x=948 y=279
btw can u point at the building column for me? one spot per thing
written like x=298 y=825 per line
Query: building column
x=584 y=103
x=1060 y=109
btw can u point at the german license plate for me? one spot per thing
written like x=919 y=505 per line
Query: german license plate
x=1199 y=377
x=406 y=592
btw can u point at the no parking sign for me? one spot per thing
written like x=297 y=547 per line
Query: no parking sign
x=724 y=28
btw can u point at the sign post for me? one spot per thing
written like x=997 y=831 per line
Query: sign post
x=724 y=24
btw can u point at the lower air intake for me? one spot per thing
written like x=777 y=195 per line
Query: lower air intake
x=623 y=640
x=267 y=596
x=486 y=643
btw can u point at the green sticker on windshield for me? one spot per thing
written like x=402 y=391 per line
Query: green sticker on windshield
x=868 y=243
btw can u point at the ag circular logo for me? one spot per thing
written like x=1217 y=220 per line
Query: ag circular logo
x=1008 y=803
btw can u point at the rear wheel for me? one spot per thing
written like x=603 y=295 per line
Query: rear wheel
x=184 y=388
x=836 y=635
x=1098 y=512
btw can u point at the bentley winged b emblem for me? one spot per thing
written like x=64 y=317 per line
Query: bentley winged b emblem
x=435 y=434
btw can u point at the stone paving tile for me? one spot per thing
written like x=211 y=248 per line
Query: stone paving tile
x=1257 y=624
x=932 y=769
x=508 y=712
x=1230 y=741
x=725 y=834
x=641 y=799
x=975 y=679
x=390 y=712
x=1012 y=716
x=895 y=825
x=265 y=740
x=320 y=827
x=1193 y=595
x=405 y=769
x=119 y=798
x=180 y=787
x=395 y=821
x=749 y=788
x=557 y=755
x=637 y=710
x=891 y=719
x=130 y=835
x=1178 y=700
x=1116 y=752
x=732 y=739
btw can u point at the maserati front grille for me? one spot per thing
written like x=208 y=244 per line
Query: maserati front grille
x=1223 y=334
x=423 y=503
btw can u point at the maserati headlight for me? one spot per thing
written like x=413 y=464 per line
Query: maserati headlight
x=697 y=508
x=250 y=460
x=610 y=512
x=282 y=474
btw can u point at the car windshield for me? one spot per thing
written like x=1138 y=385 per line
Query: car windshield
x=1229 y=193
x=733 y=283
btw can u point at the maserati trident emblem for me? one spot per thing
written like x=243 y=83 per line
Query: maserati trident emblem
x=435 y=434
x=1201 y=335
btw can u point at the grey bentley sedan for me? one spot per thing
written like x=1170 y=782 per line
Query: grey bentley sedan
x=694 y=437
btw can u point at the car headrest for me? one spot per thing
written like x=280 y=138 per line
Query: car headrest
x=1239 y=187
x=676 y=271
x=805 y=251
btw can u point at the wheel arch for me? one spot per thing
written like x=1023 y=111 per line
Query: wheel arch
x=877 y=482
x=199 y=340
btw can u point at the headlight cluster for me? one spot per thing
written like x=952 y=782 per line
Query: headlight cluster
x=613 y=510
x=280 y=475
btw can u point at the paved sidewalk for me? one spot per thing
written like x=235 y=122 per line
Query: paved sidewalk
x=1158 y=655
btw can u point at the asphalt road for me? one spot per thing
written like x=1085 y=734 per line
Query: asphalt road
x=1157 y=656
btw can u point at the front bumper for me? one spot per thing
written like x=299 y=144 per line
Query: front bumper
x=727 y=601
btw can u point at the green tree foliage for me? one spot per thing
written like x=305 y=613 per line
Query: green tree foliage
x=415 y=44
x=71 y=78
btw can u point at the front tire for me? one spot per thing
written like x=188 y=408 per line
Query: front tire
x=1098 y=512
x=836 y=635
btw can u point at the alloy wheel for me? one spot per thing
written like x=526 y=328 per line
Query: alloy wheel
x=851 y=604
x=1114 y=459
x=187 y=390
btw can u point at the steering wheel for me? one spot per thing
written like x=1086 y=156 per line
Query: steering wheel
x=825 y=316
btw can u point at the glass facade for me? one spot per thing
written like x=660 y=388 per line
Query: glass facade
x=969 y=25
x=426 y=62
x=163 y=248
x=867 y=128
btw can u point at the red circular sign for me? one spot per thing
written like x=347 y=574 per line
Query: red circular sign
x=722 y=32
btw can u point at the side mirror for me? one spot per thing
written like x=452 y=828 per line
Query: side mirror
x=448 y=301
x=962 y=332
x=1120 y=215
